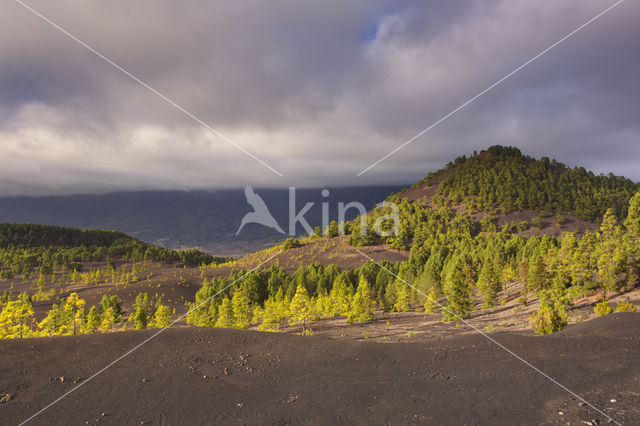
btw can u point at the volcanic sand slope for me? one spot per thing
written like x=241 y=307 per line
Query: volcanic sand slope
x=325 y=251
x=222 y=376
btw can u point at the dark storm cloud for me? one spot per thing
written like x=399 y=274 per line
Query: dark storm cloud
x=319 y=90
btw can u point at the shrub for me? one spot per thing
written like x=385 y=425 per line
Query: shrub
x=549 y=318
x=333 y=230
x=602 y=308
x=537 y=222
x=523 y=226
x=291 y=243
x=625 y=306
x=487 y=224
x=561 y=219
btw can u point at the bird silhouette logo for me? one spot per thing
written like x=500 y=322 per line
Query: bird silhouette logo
x=260 y=213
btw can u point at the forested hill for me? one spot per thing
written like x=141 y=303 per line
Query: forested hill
x=502 y=178
x=32 y=235
x=26 y=246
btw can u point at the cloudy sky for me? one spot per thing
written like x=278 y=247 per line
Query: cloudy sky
x=318 y=90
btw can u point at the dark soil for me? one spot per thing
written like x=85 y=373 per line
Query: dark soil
x=219 y=376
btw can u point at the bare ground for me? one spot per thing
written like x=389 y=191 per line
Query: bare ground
x=204 y=376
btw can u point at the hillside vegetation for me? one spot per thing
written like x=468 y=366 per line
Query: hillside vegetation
x=27 y=248
x=454 y=264
x=502 y=178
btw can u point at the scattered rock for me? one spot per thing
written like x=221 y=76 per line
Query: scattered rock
x=226 y=371
x=61 y=379
x=612 y=400
x=5 y=397
x=293 y=397
x=582 y=404
x=144 y=380
x=561 y=413
x=240 y=404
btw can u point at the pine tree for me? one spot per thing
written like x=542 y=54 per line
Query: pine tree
x=257 y=315
x=270 y=317
x=550 y=317
x=340 y=296
x=610 y=227
x=161 y=318
x=431 y=305
x=363 y=304
x=300 y=308
x=142 y=302
x=54 y=323
x=140 y=319
x=241 y=309
x=93 y=320
x=633 y=217
x=111 y=302
x=225 y=314
x=16 y=319
x=538 y=277
x=402 y=299
x=109 y=318
x=74 y=313
x=458 y=294
x=488 y=284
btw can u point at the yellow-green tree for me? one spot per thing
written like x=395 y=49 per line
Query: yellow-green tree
x=241 y=309
x=54 y=323
x=488 y=284
x=161 y=318
x=74 y=313
x=16 y=319
x=257 y=315
x=402 y=297
x=603 y=308
x=340 y=296
x=225 y=314
x=363 y=303
x=139 y=319
x=300 y=308
x=431 y=305
x=633 y=218
x=109 y=318
x=93 y=320
x=270 y=316
x=550 y=317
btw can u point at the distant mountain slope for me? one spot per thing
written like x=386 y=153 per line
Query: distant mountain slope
x=185 y=218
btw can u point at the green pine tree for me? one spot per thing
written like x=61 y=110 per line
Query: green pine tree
x=300 y=308
x=93 y=320
x=225 y=314
x=241 y=309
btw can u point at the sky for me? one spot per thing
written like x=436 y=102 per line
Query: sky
x=318 y=91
